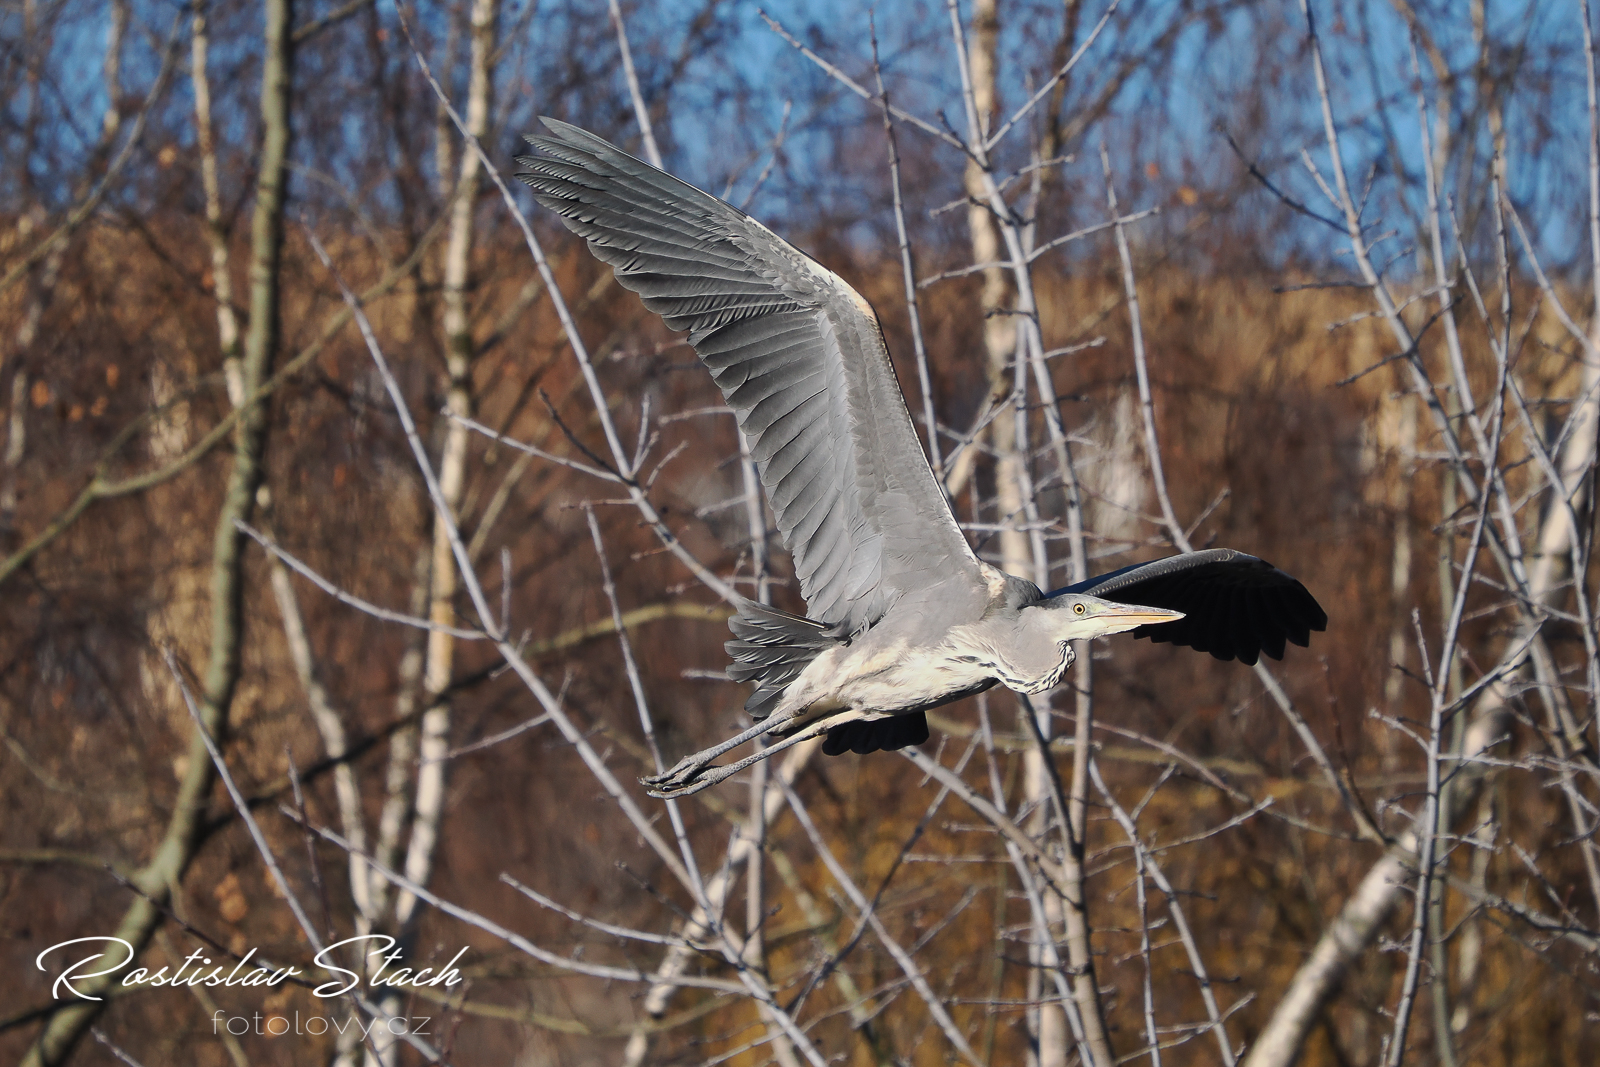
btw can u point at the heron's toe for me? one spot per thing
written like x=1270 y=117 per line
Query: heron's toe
x=675 y=779
x=664 y=787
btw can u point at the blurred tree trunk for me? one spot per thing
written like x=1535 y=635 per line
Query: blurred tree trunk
x=329 y=723
x=433 y=742
x=216 y=232
x=16 y=449
x=180 y=842
x=116 y=30
x=1047 y=1024
x=1405 y=458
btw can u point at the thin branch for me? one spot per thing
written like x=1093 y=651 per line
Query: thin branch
x=515 y=940
x=855 y=87
x=640 y=111
x=907 y=270
x=356 y=602
x=1066 y=68
x=339 y=14
x=574 y=339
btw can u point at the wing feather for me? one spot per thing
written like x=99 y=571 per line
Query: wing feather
x=798 y=355
x=771 y=333
x=1271 y=627
x=791 y=440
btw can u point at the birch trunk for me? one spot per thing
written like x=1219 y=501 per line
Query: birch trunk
x=216 y=234
x=433 y=742
x=328 y=721
x=1008 y=435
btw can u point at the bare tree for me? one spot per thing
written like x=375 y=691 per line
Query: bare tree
x=477 y=585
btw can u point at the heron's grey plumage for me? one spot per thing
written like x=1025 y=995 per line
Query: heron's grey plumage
x=901 y=614
x=771 y=648
x=1235 y=605
x=800 y=358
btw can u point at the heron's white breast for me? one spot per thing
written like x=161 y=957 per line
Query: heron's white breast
x=888 y=678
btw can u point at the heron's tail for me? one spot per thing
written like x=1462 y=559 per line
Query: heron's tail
x=771 y=648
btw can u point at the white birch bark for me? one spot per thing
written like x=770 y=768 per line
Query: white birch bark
x=205 y=138
x=1008 y=438
x=434 y=741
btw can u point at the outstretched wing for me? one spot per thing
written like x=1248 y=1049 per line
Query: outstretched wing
x=1235 y=606
x=800 y=358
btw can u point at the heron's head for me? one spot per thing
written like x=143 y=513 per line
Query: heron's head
x=1075 y=616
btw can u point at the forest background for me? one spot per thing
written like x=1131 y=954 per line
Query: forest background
x=333 y=612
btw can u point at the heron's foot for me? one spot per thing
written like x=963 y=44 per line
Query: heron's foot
x=694 y=773
x=662 y=789
x=680 y=780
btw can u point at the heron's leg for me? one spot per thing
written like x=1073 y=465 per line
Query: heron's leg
x=685 y=769
x=664 y=791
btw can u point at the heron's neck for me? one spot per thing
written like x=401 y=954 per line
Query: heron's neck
x=1034 y=655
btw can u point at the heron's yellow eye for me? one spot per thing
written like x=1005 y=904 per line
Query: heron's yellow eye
x=1078 y=609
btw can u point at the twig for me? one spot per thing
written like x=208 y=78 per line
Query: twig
x=495 y=739
x=743 y=850
x=640 y=112
x=364 y=606
x=1066 y=68
x=774 y=149
x=850 y=83
x=1152 y=444
x=919 y=981
x=533 y=450
x=646 y=722
x=115 y=1051
x=575 y=340
x=517 y=941
x=284 y=889
x=308 y=30
x=82 y=212
x=594 y=924
x=1287 y=200
x=1145 y=858
x=475 y=592
x=907 y=270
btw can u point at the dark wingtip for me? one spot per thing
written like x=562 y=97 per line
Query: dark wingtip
x=1311 y=612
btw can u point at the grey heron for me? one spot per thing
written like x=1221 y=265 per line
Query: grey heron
x=902 y=615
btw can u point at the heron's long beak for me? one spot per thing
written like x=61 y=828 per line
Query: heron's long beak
x=1121 y=618
x=1141 y=616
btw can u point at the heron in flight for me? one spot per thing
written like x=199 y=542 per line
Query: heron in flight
x=902 y=615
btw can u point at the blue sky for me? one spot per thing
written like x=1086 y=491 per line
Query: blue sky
x=729 y=99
